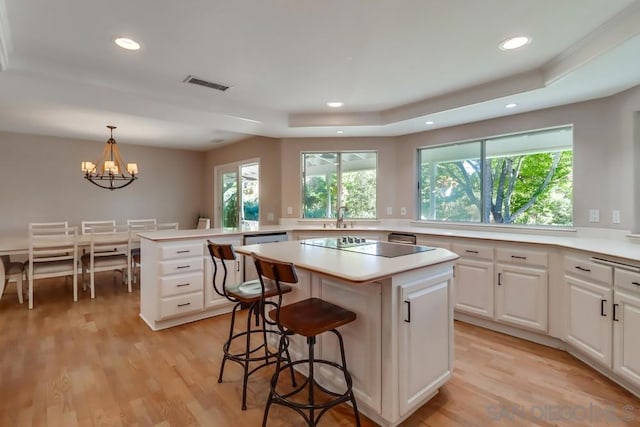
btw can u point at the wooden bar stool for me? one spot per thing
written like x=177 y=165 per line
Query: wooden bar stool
x=245 y=295
x=309 y=318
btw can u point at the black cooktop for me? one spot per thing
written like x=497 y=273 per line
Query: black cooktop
x=369 y=247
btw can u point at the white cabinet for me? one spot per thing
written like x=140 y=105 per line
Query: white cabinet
x=180 y=277
x=176 y=281
x=362 y=339
x=589 y=308
x=425 y=339
x=474 y=279
x=521 y=288
x=626 y=324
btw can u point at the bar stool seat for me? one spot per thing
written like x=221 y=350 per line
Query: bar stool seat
x=308 y=318
x=246 y=295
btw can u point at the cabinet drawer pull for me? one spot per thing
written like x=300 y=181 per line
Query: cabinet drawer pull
x=518 y=257
x=602 y=307
x=183 y=284
x=184 y=304
x=184 y=251
x=499 y=279
x=615 y=314
x=182 y=266
x=583 y=269
x=635 y=283
x=469 y=251
x=408 y=319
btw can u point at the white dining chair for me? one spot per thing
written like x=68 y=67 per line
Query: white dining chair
x=167 y=226
x=109 y=251
x=53 y=252
x=13 y=272
x=142 y=224
x=105 y=226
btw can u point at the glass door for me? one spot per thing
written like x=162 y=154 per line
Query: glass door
x=239 y=194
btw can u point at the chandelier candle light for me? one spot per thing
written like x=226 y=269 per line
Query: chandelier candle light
x=109 y=171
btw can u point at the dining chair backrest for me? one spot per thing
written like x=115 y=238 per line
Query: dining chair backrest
x=142 y=224
x=109 y=250
x=48 y=228
x=53 y=252
x=106 y=226
x=203 y=223
x=167 y=226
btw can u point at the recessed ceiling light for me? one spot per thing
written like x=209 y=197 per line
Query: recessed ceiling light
x=514 y=42
x=339 y=131
x=335 y=104
x=511 y=105
x=126 y=43
x=428 y=123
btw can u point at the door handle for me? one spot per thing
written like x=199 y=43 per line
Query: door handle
x=615 y=314
x=602 y=307
x=408 y=319
x=499 y=279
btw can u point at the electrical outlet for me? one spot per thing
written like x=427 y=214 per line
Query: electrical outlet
x=615 y=216
x=289 y=210
x=594 y=215
x=270 y=216
x=389 y=210
x=403 y=211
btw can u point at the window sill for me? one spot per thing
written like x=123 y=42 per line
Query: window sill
x=532 y=229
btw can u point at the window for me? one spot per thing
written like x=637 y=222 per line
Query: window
x=516 y=179
x=331 y=180
x=239 y=194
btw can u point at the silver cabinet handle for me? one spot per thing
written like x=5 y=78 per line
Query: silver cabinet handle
x=182 y=266
x=185 y=251
x=583 y=269
x=518 y=257
x=184 y=304
x=183 y=284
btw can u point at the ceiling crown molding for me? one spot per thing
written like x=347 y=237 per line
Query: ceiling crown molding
x=5 y=37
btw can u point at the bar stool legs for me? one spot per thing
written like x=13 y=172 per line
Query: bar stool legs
x=312 y=405
x=250 y=355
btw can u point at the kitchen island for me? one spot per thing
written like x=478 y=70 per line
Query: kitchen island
x=400 y=348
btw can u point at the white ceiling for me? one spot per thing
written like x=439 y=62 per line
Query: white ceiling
x=395 y=64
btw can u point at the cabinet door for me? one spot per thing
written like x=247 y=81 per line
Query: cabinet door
x=362 y=338
x=626 y=346
x=474 y=287
x=589 y=323
x=521 y=296
x=425 y=337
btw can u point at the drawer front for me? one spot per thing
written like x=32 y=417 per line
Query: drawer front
x=181 y=250
x=177 y=305
x=472 y=251
x=186 y=265
x=522 y=256
x=628 y=280
x=181 y=284
x=588 y=269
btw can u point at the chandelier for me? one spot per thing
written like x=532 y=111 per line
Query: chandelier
x=109 y=170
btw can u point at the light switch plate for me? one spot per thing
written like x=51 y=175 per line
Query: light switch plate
x=594 y=215
x=289 y=210
x=389 y=210
x=403 y=211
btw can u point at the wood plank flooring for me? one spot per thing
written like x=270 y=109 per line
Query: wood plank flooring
x=95 y=363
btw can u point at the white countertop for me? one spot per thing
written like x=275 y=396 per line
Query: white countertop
x=350 y=266
x=615 y=247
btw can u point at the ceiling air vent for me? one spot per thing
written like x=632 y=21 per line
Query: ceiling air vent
x=211 y=85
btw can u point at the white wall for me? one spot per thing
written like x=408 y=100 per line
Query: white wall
x=41 y=180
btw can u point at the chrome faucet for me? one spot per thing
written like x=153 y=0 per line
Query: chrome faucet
x=340 y=217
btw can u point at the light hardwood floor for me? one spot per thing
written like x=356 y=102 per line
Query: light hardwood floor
x=95 y=363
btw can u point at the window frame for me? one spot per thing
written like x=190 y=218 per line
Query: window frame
x=486 y=222
x=339 y=154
